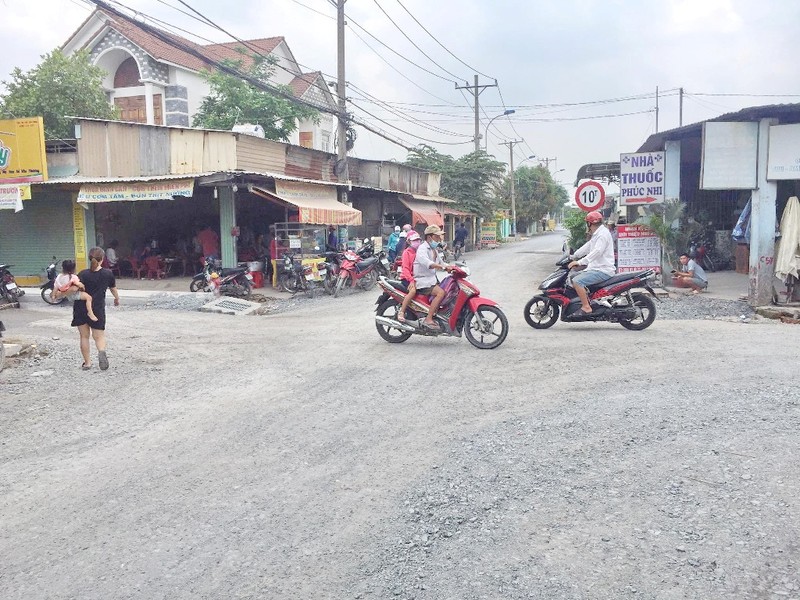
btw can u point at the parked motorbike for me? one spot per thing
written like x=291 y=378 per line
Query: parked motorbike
x=231 y=282
x=299 y=277
x=355 y=270
x=463 y=310
x=612 y=300
x=333 y=262
x=8 y=285
x=47 y=287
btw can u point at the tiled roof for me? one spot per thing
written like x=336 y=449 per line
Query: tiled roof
x=301 y=83
x=174 y=54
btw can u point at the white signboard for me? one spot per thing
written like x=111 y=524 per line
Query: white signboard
x=11 y=197
x=134 y=191
x=638 y=248
x=641 y=178
x=730 y=156
x=783 y=161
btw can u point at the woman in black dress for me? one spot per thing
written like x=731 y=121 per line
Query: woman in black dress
x=97 y=280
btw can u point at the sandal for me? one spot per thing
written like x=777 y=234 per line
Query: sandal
x=103 y=360
x=431 y=326
x=85 y=367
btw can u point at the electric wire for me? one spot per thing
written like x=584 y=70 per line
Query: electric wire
x=435 y=39
x=413 y=43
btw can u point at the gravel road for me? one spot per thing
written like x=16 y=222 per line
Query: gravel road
x=297 y=455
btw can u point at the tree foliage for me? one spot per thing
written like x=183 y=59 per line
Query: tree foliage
x=535 y=195
x=58 y=87
x=233 y=100
x=468 y=180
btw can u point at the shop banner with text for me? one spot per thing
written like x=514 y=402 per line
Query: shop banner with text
x=135 y=191
x=638 y=248
x=22 y=154
x=641 y=178
x=11 y=197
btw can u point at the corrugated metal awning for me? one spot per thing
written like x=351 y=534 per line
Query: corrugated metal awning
x=317 y=210
x=422 y=211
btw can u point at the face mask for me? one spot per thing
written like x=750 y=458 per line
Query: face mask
x=434 y=244
x=415 y=244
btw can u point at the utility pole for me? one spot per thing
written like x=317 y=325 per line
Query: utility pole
x=656 y=109
x=477 y=89
x=547 y=161
x=341 y=162
x=680 y=108
x=511 y=145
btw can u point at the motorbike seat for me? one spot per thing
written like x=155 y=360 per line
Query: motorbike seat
x=232 y=271
x=366 y=263
x=615 y=279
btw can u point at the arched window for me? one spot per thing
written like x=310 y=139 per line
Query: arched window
x=127 y=74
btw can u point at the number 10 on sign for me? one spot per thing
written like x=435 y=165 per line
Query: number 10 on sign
x=590 y=195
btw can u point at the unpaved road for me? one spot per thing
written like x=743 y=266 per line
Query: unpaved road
x=299 y=456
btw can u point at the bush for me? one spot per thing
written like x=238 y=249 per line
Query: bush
x=576 y=225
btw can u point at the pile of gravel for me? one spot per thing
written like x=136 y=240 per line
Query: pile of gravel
x=701 y=307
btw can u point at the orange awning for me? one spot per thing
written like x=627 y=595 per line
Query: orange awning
x=423 y=212
x=315 y=210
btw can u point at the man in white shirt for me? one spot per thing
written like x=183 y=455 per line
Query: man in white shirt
x=597 y=255
x=426 y=263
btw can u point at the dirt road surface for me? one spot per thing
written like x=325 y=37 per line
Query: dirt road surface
x=300 y=456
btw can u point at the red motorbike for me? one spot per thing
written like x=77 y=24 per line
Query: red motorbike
x=355 y=270
x=463 y=310
x=612 y=300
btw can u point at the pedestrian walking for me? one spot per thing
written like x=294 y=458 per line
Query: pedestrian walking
x=96 y=281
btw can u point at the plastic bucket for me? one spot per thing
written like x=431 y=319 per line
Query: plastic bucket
x=258 y=279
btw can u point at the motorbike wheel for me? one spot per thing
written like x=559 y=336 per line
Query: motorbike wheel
x=288 y=283
x=648 y=308
x=340 y=284
x=198 y=284
x=329 y=283
x=486 y=328
x=47 y=296
x=246 y=288
x=389 y=309
x=541 y=313
x=457 y=252
x=368 y=281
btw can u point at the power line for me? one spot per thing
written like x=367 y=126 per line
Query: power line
x=435 y=39
x=405 y=35
x=405 y=58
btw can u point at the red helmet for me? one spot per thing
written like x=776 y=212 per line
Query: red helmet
x=594 y=217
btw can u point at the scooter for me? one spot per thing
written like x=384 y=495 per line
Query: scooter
x=463 y=310
x=355 y=270
x=611 y=300
x=299 y=277
x=47 y=287
x=213 y=278
x=8 y=285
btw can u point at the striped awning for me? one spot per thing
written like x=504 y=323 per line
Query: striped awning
x=314 y=206
x=422 y=211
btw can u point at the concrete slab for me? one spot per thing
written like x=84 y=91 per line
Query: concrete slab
x=12 y=349
x=232 y=306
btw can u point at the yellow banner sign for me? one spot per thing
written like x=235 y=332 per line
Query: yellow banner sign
x=22 y=155
x=132 y=192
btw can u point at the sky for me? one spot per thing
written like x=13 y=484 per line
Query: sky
x=581 y=75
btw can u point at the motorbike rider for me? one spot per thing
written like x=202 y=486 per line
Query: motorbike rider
x=426 y=263
x=391 y=245
x=460 y=238
x=597 y=255
x=407 y=272
x=401 y=241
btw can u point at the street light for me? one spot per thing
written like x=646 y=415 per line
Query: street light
x=524 y=159
x=507 y=112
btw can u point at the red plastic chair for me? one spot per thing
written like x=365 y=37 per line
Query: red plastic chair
x=155 y=267
x=136 y=268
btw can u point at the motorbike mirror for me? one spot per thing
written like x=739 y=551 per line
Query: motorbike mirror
x=316 y=248
x=366 y=240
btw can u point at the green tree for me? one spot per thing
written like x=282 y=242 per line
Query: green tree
x=535 y=194
x=468 y=180
x=233 y=100
x=57 y=88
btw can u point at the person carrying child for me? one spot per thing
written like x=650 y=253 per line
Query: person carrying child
x=67 y=284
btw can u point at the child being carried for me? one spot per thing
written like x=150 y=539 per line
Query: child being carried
x=67 y=284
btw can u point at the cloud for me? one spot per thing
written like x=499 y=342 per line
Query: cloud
x=708 y=16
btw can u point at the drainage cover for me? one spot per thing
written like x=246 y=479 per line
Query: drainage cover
x=231 y=306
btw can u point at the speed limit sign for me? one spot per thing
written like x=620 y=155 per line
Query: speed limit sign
x=590 y=195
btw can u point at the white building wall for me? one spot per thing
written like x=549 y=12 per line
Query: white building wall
x=196 y=88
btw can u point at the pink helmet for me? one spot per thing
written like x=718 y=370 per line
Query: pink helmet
x=594 y=217
x=406 y=227
x=412 y=236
